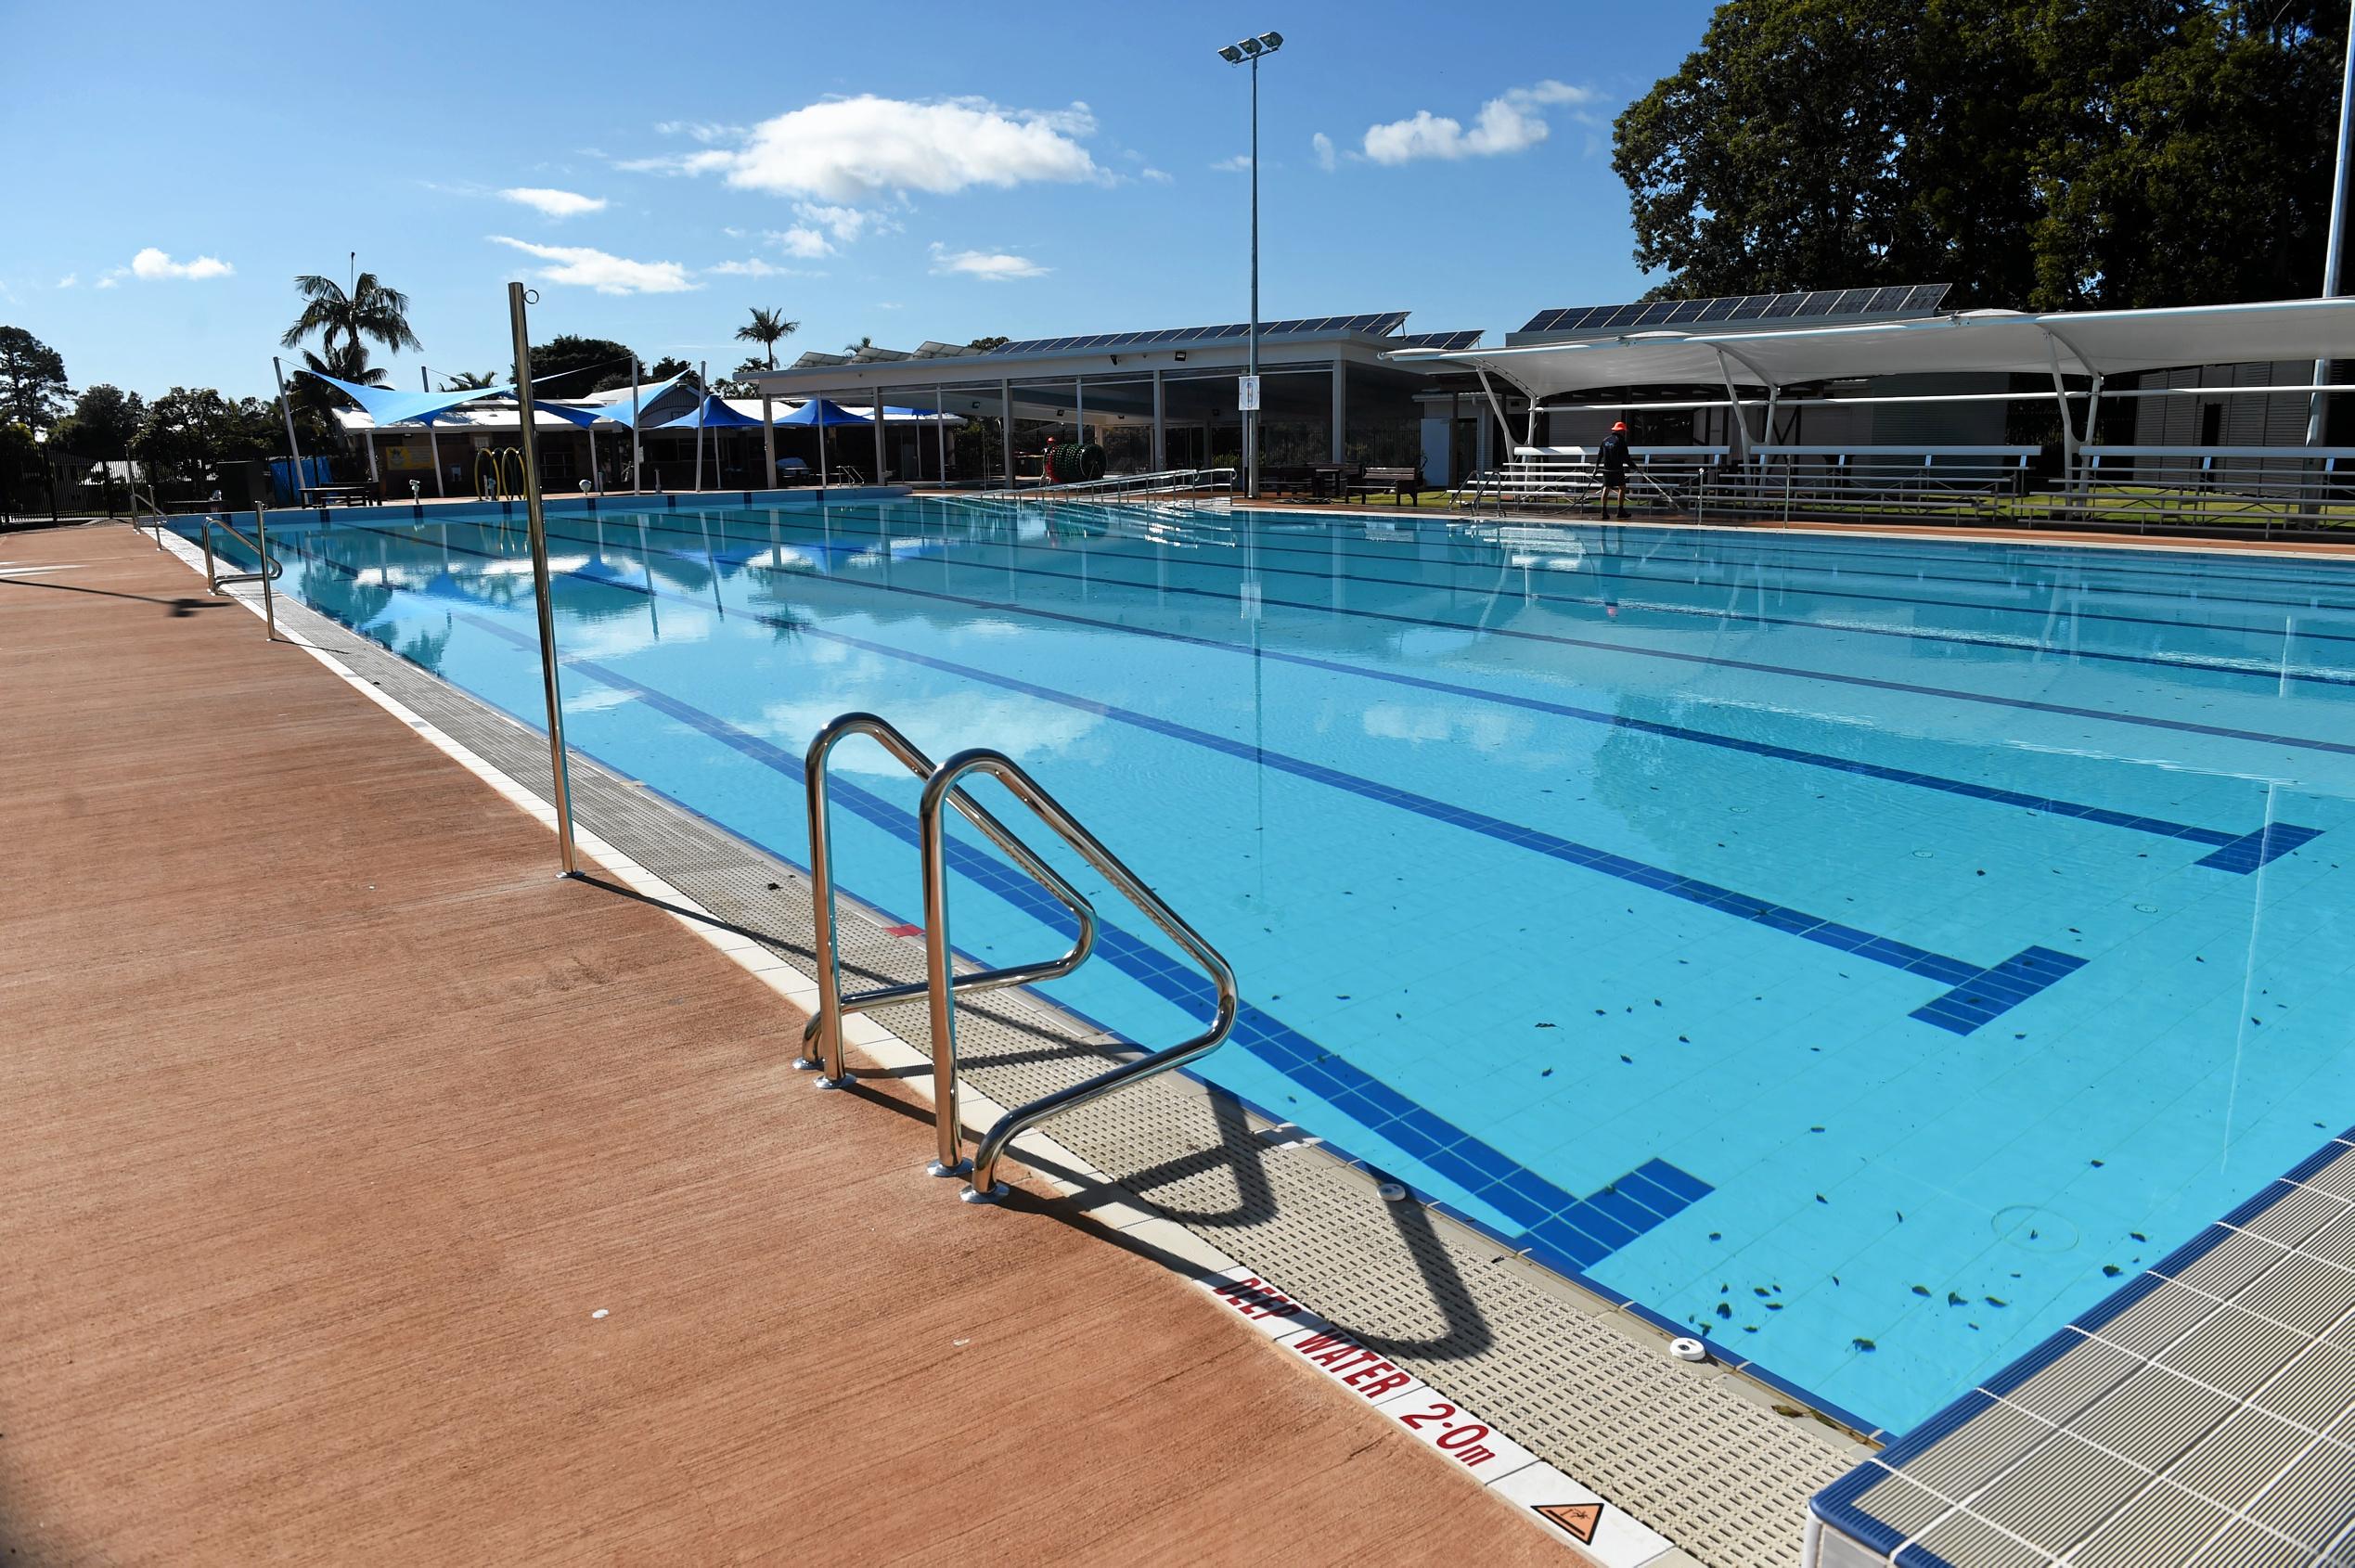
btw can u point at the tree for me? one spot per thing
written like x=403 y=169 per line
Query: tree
x=103 y=420
x=668 y=366
x=567 y=365
x=2042 y=153
x=765 y=328
x=985 y=344
x=315 y=401
x=32 y=380
x=189 y=428
x=470 y=381
x=860 y=347
x=367 y=310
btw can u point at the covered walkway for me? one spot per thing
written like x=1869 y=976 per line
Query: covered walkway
x=372 y=1194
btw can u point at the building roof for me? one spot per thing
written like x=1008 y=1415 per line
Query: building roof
x=2070 y=343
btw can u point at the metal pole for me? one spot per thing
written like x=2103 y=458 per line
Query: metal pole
x=818 y=410
x=295 y=448
x=1005 y=426
x=1161 y=428
x=261 y=548
x=433 y=440
x=878 y=411
x=2331 y=250
x=768 y=436
x=1251 y=420
x=703 y=418
x=940 y=431
x=528 y=435
x=948 y=1140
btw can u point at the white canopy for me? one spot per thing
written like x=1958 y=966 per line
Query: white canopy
x=2069 y=342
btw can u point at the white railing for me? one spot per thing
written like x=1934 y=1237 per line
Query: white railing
x=2209 y=489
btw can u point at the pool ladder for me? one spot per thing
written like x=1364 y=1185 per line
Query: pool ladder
x=822 y=1040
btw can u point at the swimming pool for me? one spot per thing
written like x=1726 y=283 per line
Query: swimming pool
x=1865 y=951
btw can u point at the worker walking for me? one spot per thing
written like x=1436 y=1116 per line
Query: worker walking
x=1614 y=457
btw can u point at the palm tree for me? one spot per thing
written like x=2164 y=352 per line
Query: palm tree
x=859 y=346
x=467 y=380
x=315 y=400
x=766 y=328
x=367 y=309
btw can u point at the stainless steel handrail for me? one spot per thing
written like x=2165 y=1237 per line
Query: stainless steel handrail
x=272 y=568
x=940 y=790
x=822 y=1038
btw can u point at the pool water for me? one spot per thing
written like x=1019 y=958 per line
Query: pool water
x=1867 y=952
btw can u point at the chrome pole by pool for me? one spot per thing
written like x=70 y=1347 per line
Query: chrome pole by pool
x=527 y=434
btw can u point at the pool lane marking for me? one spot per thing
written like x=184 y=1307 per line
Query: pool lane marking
x=2024 y=704
x=1520 y=1478
x=2235 y=851
x=2243 y=669
x=2169 y=623
x=1976 y=995
x=1557 y=1223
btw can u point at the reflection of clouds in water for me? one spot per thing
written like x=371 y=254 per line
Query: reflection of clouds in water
x=595 y=700
x=626 y=635
x=939 y=724
x=1485 y=732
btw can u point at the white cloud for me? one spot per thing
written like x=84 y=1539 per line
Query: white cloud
x=700 y=130
x=69 y=280
x=993 y=266
x=1238 y=164
x=753 y=266
x=865 y=148
x=1321 y=145
x=554 y=203
x=110 y=277
x=846 y=224
x=802 y=241
x=1159 y=176
x=606 y=273
x=150 y=264
x=1513 y=122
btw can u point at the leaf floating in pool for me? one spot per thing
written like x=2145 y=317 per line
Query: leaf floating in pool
x=1629 y=1059
x=1953 y=1300
x=1758 y=1290
x=1684 y=1039
x=1725 y=1310
x=1547 y=1073
x=1921 y=1289
x=1864 y=1344
x=2111 y=1271
x=1996 y=1300
x=1341 y=996
x=1549 y=1026
x=1774 y=1307
x=2139 y=1236
x=1821 y=1198
x=1901 y=1215
x=1716 y=1235
x=1815 y=1129
x=2095 y=1163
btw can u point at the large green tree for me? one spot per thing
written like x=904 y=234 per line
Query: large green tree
x=2046 y=153
x=32 y=380
x=567 y=365
x=103 y=420
x=189 y=427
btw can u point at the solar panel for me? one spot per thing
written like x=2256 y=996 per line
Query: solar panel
x=1656 y=313
x=1446 y=341
x=1784 y=305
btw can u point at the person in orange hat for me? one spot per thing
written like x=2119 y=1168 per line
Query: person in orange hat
x=1614 y=457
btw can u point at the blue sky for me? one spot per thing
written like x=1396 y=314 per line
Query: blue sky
x=910 y=171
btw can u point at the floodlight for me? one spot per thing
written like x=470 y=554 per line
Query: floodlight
x=1274 y=41
x=1252 y=46
x=1231 y=55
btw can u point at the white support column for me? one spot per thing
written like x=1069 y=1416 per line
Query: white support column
x=1006 y=427
x=768 y=441
x=1340 y=412
x=940 y=431
x=878 y=411
x=1160 y=427
x=1079 y=410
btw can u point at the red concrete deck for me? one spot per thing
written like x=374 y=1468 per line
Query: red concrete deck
x=335 y=1117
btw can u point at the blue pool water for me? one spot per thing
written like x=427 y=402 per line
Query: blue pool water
x=1863 y=951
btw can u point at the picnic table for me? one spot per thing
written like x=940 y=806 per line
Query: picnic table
x=338 y=495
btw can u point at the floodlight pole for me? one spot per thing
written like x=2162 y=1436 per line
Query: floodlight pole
x=2334 y=248
x=1251 y=418
x=527 y=435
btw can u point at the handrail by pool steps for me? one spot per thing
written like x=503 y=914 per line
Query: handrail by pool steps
x=941 y=985
x=271 y=569
x=822 y=1039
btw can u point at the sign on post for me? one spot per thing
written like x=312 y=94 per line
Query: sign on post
x=1247 y=395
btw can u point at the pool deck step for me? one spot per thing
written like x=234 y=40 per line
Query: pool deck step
x=373 y=1194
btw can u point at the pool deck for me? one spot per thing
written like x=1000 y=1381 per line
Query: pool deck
x=373 y=1193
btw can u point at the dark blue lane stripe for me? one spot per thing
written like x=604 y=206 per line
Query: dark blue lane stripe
x=2243 y=671
x=1976 y=994
x=2281 y=842
x=2023 y=704
x=2170 y=623
x=1582 y=1231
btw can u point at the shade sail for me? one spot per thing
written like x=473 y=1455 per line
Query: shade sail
x=712 y=413
x=818 y=411
x=570 y=415
x=2078 y=342
x=387 y=407
x=619 y=412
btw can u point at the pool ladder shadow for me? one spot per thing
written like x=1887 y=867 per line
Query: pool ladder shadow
x=822 y=1039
